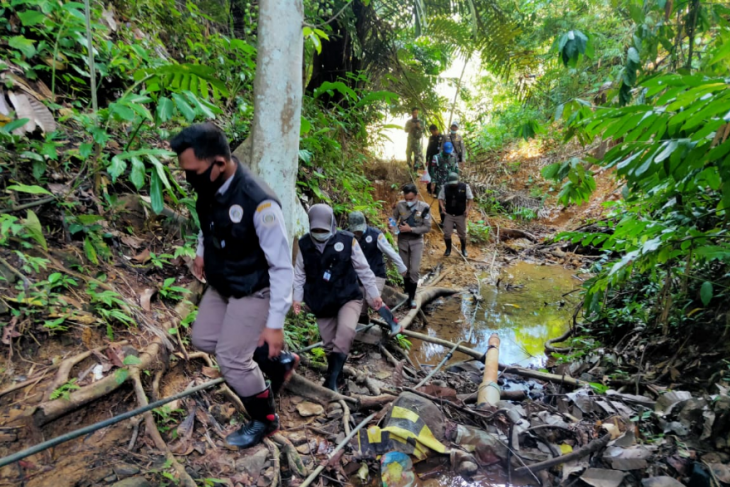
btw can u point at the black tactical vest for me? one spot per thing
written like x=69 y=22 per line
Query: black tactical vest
x=235 y=264
x=455 y=195
x=369 y=245
x=331 y=279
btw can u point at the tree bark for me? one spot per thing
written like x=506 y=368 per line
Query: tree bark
x=274 y=152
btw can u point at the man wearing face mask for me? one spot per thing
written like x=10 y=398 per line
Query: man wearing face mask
x=329 y=264
x=375 y=246
x=413 y=220
x=244 y=254
x=457 y=142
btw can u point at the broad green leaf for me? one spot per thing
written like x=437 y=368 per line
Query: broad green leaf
x=90 y=251
x=633 y=55
x=158 y=203
x=23 y=188
x=117 y=167
x=131 y=360
x=706 y=292
x=306 y=126
x=35 y=230
x=121 y=112
x=165 y=109
x=138 y=171
x=26 y=46
x=31 y=17
x=15 y=124
x=184 y=108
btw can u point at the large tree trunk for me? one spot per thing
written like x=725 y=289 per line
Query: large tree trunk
x=274 y=138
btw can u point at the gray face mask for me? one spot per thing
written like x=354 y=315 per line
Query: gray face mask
x=321 y=237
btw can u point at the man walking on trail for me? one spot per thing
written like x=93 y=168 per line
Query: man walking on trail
x=244 y=255
x=442 y=165
x=434 y=146
x=414 y=151
x=374 y=244
x=455 y=200
x=457 y=142
x=413 y=221
x=326 y=274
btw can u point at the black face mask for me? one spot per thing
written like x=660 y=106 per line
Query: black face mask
x=202 y=184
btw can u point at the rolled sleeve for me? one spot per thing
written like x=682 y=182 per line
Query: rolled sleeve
x=269 y=224
x=300 y=278
x=385 y=247
x=362 y=268
x=469 y=194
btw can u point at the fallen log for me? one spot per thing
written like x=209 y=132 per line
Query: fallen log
x=314 y=392
x=533 y=374
x=592 y=447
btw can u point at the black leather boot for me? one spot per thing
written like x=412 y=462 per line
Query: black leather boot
x=264 y=421
x=335 y=363
x=447 y=241
x=278 y=369
x=412 y=294
x=463 y=248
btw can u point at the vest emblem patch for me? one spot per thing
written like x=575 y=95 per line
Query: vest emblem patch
x=369 y=239
x=339 y=247
x=235 y=212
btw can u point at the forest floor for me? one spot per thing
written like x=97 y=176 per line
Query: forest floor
x=548 y=418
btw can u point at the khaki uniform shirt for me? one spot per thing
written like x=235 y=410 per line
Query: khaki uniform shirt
x=421 y=214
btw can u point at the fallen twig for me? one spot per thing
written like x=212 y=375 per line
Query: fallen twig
x=334 y=452
x=592 y=447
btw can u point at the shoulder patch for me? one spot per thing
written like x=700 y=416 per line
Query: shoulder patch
x=381 y=237
x=263 y=206
x=269 y=219
x=235 y=213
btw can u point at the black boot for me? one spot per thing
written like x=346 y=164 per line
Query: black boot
x=463 y=248
x=335 y=363
x=279 y=369
x=447 y=241
x=412 y=294
x=264 y=421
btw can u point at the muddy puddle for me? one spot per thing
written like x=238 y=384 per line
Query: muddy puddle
x=528 y=308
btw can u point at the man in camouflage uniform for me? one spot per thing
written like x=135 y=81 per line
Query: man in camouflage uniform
x=414 y=151
x=457 y=142
x=442 y=164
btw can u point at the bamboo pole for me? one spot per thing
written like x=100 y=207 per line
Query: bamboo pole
x=488 y=393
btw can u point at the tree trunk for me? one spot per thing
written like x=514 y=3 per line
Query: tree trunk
x=274 y=139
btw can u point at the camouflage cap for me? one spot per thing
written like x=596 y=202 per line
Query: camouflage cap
x=357 y=222
x=453 y=178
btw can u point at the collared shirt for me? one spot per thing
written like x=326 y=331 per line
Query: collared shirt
x=402 y=212
x=268 y=222
x=359 y=263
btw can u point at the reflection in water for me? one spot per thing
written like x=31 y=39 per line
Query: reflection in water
x=524 y=317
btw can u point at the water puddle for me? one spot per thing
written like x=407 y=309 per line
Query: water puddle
x=528 y=308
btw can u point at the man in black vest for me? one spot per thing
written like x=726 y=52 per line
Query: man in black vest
x=455 y=199
x=329 y=264
x=244 y=254
x=374 y=244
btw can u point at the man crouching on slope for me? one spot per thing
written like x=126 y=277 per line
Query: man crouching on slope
x=245 y=256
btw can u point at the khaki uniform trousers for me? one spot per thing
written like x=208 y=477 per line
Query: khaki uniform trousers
x=410 y=250
x=231 y=328
x=338 y=332
x=459 y=221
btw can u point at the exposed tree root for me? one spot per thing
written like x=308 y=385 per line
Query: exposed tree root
x=65 y=367
x=314 y=392
x=549 y=344
x=224 y=387
x=292 y=456
x=151 y=429
x=277 y=461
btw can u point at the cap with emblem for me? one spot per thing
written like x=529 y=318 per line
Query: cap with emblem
x=455 y=124
x=453 y=178
x=448 y=148
x=357 y=222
